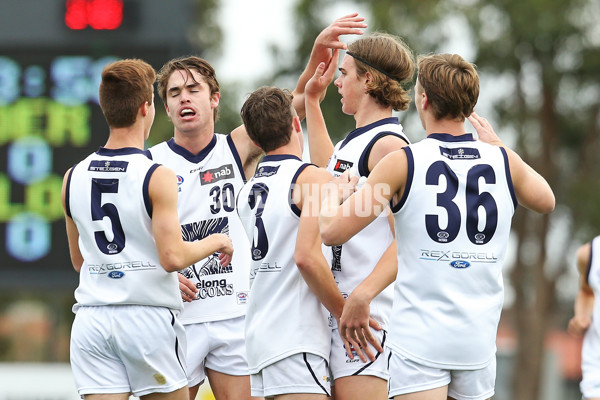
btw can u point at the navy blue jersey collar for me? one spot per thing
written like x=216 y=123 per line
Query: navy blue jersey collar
x=280 y=157
x=185 y=153
x=124 y=151
x=366 y=128
x=446 y=137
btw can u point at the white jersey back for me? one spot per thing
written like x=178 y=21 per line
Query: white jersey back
x=284 y=316
x=591 y=341
x=107 y=198
x=208 y=184
x=452 y=229
x=352 y=262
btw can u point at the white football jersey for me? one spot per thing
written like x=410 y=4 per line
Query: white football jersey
x=107 y=198
x=590 y=364
x=208 y=185
x=452 y=229
x=284 y=316
x=353 y=261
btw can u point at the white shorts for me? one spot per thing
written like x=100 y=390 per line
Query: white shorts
x=299 y=373
x=407 y=376
x=219 y=345
x=127 y=349
x=341 y=365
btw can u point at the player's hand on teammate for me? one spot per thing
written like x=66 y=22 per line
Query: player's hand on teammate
x=484 y=129
x=187 y=288
x=345 y=185
x=354 y=329
x=578 y=325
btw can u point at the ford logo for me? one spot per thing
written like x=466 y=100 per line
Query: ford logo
x=460 y=264
x=116 y=274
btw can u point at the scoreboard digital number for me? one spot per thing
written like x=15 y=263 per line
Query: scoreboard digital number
x=49 y=120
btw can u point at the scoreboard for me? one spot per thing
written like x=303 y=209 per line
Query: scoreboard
x=50 y=119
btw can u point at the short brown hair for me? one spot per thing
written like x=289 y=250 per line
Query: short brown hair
x=451 y=84
x=188 y=63
x=267 y=115
x=125 y=86
x=391 y=55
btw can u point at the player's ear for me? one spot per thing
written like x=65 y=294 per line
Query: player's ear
x=144 y=108
x=297 y=125
x=424 y=101
x=215 y=98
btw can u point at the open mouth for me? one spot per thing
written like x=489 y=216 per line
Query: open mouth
x=187 y=112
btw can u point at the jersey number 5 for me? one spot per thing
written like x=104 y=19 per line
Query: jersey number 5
x=116 y=243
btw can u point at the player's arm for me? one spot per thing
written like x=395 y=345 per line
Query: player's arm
x=584 y=302
x=532 y=190
x=250 y=154
x=339 y=220
x=308 y=254
x=319 y=143
x=326 y=41
x=355 y=320
x=72 y=232
x=174 y=253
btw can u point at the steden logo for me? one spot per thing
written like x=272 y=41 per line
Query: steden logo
x=216 y=174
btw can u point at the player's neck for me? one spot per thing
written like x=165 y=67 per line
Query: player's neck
x=194 y=143
x=125 y=137
x=370 y=113
x=451 y=127
x=289 y=148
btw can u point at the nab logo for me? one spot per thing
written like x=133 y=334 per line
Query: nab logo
x=342 y=165
x=216 y=174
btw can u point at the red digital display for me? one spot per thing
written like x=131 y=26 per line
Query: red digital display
x=95 y=14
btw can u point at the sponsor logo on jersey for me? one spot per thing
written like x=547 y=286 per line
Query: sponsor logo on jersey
x=112 y=247
x=479 y=238
x=116 y=274
x=460 y=153
x=242 y=297
x=179 y=182
x=342 y=165
x=213 y=288
x=108 y=166
x=102 y=269
x=266 y=171
x=217 y=174
x=443 y=236
x=458 y=259
x=460 y=264
x=269 y=267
